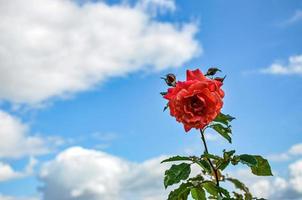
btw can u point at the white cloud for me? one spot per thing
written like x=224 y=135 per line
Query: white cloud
x=294 y=66
x=5 y=197
x=296 y=176
x=15 y=139
x=82 y=174
x=296 y=149
x=279 y=157
x=8 y=173
x=293 y=151
x=54 y=48
x=276 y=187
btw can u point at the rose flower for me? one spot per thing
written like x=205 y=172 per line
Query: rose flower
x=195 y=102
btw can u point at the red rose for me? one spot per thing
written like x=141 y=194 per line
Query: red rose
x=195 y=102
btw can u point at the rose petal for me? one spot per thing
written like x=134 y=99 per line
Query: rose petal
x=195 y=75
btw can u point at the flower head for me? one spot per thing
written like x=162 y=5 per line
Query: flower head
x=195 y=102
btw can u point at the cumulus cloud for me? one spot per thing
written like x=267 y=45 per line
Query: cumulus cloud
x=16 y=141
x=296 y=176
x=81 y=174
x=294 y=66
x=276 y=187
x=55 y=48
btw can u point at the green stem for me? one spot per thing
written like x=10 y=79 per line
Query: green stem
x=210 y=162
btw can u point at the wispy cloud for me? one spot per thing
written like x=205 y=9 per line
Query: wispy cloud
x=293 y=66
x=296 y=17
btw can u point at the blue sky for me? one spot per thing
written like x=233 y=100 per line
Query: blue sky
x=116 y=108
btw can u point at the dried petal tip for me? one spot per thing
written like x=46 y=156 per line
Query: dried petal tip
x=220 y=79
x=212 y=71
x=170 y=79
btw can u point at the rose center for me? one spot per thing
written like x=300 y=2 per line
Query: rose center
x=197 y=105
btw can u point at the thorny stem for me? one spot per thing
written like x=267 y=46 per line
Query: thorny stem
x=210 y=162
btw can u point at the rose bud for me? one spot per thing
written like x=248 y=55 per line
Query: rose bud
x=212 y=71
x=170 y=79
x=220 y=79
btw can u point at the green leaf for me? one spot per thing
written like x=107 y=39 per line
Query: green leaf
x=224 y=192
x=198 y=194
x=249 y=160
x=181 y=193
x=235 y=160
x=211 y=156
x=197 y=178
x=224 y=119
x=248 y=196
x=238 y=196
x=228 y=154
x=262 y=168
x=205 y=165
x=223 y=164
x=223 y=131
x=177 y=173
x=177 y=158
x=211 y=188
x=238 y=184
